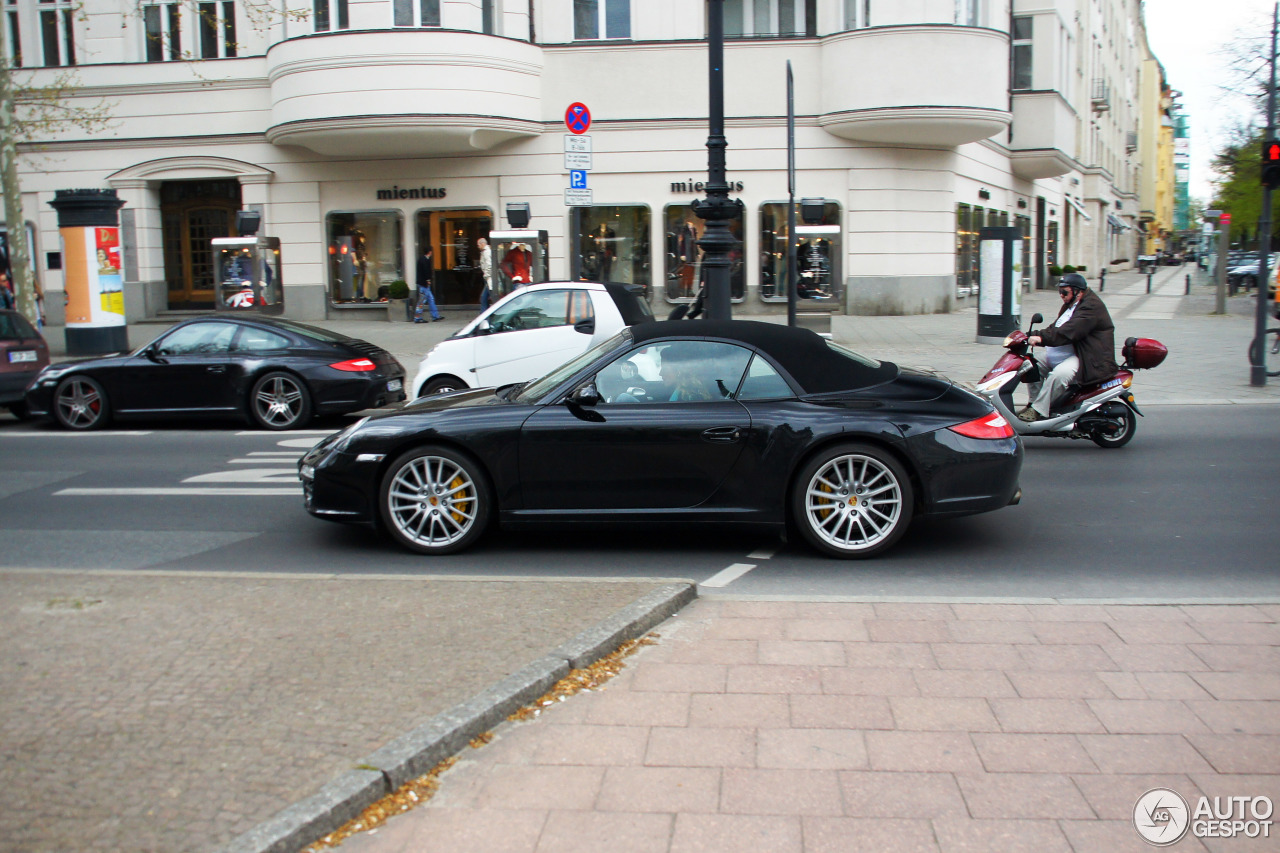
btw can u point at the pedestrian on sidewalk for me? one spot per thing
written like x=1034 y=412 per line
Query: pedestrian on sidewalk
x=1081 y=346
x=486 y=270
x=426 y=275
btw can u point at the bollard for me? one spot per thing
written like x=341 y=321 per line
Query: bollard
x=1149 y=275
x=1187 y=292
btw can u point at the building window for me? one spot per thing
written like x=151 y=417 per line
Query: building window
x=57 y=32
x=326 y=12
x=416 y=13
x=611 y=244
x=763 y=18
x=365 y=254
x=593 y=17
x=14 y=47
x=969 y=13
x=163 y=29
x=1022 y=28
x=857 y=13
x=216 y=26
x=818 y=253
x=684 y=271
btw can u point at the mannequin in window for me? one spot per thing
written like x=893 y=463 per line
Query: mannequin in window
x=360 y=255
x=517 y=264
x=686 y=256
x=604 y=238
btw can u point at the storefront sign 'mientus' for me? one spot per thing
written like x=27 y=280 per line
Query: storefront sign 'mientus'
x=418 y=192
x=691 y=186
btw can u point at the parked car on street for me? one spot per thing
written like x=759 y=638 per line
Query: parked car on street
x=23 y=354
x=732 y=422
x=528 y=332
x=276 y=373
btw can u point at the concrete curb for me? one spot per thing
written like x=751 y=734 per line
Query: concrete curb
x=413 y=754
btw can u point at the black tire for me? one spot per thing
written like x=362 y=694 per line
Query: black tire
x=852 y=501
x=435 y=500
x=1272 y=339
x=280 y=401
x=441 y=385
x=1122 y=435
x=80 y=403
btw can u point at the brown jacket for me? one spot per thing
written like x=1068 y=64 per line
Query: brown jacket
x=1092 y=333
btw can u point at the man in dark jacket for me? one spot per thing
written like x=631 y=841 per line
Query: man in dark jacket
x=1081 y=342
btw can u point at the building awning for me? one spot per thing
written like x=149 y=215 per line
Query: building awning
x=1117 y=223
x=1079 y=208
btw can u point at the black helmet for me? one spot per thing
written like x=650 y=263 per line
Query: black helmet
x=1073 y=279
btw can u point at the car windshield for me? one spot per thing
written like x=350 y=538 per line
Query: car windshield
x=850 y=354
x=539 y=388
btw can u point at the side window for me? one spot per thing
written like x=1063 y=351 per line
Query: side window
x=539 y=310
x=580 y=307
x=198 y=339
x=259 y=340
x=680 y=372
x=763 y=382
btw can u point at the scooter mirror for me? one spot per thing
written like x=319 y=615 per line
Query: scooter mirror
x=1037 y=318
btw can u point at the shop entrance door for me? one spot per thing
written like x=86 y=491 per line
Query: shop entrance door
x=452 y=234
x=193 y=213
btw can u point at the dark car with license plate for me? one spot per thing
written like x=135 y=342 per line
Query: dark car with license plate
x=23 y=354
x=730 y=422
x=276 y=373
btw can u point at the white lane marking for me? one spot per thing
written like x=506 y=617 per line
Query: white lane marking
x=728 y=576
x=290 y=432
x=291 y=459
x=246 y=475
x=179 y=490
x=305 y=443
x=289 y=453
x=68 y=434
x=762 y=554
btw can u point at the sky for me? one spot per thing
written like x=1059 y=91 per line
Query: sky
x=1185 y=35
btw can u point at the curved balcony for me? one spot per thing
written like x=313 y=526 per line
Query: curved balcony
x=403 y=92
x=1043 y=135
x=927 y=84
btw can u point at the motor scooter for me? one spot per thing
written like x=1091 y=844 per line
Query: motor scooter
x=1104 y=412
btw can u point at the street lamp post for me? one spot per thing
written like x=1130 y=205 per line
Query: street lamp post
x=1258 y=369
x=717 y=208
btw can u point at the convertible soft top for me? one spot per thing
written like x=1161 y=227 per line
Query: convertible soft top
x=800 y=352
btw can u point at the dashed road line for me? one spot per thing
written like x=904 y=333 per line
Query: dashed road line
x=165 y=491
x=727 y=576
x=763 y=553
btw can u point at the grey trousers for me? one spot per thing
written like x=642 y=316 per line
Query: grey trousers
x=1044 y=393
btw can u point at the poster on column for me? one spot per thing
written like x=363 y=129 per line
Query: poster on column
x=991 y=259
x=95 y=297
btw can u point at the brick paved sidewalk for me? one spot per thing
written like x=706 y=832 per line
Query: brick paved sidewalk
x=789 y=726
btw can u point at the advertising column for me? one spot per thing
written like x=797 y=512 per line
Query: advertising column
x=999 y=283
x=88 y=222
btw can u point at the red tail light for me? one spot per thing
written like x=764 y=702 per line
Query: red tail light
x=988 y=426
x=355 y=365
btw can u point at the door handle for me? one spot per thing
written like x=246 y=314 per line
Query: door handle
x=723 y=435
x=217 y=368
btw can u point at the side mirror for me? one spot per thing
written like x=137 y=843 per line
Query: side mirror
x=484 y=328
x=586 y=327
x=152 y=353
x=1037 y=318
x=586 y=395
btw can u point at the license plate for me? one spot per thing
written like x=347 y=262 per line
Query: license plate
x=22 y=355
x=395 y=385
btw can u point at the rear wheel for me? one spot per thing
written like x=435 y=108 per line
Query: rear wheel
x=852 y=501
x=1118 y=434
x=280 y=401
x=80 y=403
x=1271 y=346
x=435 y=500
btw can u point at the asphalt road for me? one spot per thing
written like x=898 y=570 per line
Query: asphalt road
x=1186 y=511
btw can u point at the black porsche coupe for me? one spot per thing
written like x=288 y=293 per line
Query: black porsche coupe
x=669 y=422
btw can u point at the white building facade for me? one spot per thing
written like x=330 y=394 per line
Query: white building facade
x=364 y=131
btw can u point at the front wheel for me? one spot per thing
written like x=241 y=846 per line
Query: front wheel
x=435 y=500
x=280 y=401
x=441 y=385
x=852 y=501
x=1271 y=349
x=1117 y=434
x=80 y=403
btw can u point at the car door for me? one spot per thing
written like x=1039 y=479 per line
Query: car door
x=185 y=370
x=669 y=447
x=532 y=334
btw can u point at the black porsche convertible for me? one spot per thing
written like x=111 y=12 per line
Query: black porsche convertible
x=274 y=372
x=726 y=422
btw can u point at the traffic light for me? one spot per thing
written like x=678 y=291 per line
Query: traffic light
x=1271 y=164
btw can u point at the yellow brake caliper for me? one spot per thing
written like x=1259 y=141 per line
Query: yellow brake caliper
x=464 y=505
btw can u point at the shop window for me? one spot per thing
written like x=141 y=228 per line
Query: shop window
x=595 y=19
x=612 y=244
x=967 y=248
x=1021 y=59
x=365 y=254
x=162 y=28
x=329 y=14
x=452 y=236
x=57 y=32
x=684 y=271
x=818 y=254
x=767 y=18
x=216 y=26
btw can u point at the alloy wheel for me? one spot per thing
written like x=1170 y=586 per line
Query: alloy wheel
x=278 y=401
x=433 y=502
x=80 y=403
x=853 y=502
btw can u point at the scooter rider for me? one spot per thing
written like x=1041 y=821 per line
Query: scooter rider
x=1081 y=346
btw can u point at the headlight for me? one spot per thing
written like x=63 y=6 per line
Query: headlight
x=53 y=372
x=993 y=383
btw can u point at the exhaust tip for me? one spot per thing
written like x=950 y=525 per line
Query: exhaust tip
x=1016 y=499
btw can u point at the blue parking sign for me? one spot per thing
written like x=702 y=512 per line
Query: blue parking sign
x=577 y=179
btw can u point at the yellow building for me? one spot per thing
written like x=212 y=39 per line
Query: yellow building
x=1155 y=146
